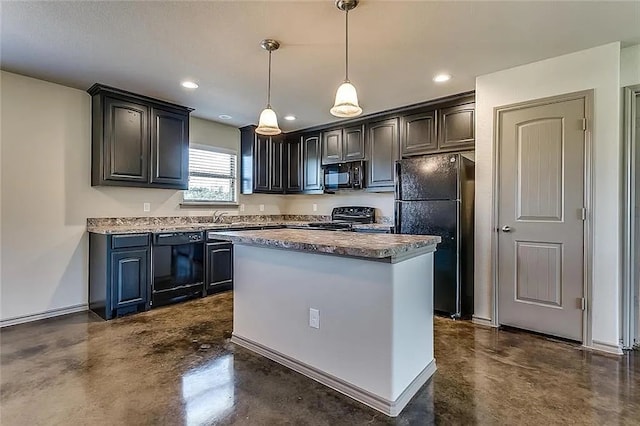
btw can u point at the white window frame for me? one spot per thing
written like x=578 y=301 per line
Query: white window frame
x=189 y=203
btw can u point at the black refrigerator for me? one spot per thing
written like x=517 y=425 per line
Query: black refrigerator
x=435 y=196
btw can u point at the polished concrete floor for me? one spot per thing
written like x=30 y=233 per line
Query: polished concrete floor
x=175 y=366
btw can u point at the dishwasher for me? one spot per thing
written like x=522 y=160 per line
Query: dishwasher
x=177 y=266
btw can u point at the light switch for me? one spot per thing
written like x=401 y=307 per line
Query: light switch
x=314 y=318
x=261 y=207
x=146 y=207
x=315 y=207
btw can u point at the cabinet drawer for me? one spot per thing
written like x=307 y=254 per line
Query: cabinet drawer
x=132 y=240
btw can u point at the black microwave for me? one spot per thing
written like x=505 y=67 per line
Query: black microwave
x=344 y=176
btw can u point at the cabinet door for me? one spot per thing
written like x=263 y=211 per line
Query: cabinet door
x=382 y=141
x=219 y=265
x=277 y=165
x=126 y=141
x=294 y=165
x=353 y=143
x=418 y=134
x=129 y=277
x=261 y=164
x=456 y=127
x=312 y=169
x=169 y=149
x=332 y=146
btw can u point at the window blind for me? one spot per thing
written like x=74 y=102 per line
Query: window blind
x=212 y=176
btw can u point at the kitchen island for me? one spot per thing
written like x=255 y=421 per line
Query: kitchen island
x=352 y=311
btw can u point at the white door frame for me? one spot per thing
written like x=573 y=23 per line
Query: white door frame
x=630 y=329
x=587 y=96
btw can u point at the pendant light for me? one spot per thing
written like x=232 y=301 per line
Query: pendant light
x=346 y=104
x=268 y=123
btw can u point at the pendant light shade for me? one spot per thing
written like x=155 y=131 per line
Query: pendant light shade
x=268 y=123
x=346 y=104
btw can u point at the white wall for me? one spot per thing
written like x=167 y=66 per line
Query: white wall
x=47 y=196
x=630 y=66
x=597 y=68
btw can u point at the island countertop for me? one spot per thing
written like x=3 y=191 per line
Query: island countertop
x=375 y=246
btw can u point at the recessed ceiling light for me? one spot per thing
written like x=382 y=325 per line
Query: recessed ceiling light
x=289 y=117
x=189 y=84
x=441 y=78
x=224 y=117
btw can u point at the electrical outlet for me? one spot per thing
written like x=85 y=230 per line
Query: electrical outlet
x=261 y=207
x=314 y=318
x=315 y=207
x=146 y=207
x=241 y=207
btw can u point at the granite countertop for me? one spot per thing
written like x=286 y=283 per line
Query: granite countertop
x=133 y=228
x=206 y=226
x=378 y=246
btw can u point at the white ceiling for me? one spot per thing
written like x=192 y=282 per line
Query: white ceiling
x=396 y=48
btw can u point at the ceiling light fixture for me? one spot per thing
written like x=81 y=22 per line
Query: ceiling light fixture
x=189 y=84
x=346 y=104
x=224 y=117
x=268 y=123
x=441 y=78
x=289 y=117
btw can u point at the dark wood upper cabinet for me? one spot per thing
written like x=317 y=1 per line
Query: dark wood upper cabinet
x=311 y=163
x=277 y=165
x=262 y=165
x=353 y=143
x=418 y=133
x=332 y=146
x=383 y=151
x=170 y=159
x=124 y=144
x=456 y=127
x=137 y=140
x=293 y=156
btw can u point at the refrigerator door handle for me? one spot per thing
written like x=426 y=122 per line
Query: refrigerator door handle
x=397 y=181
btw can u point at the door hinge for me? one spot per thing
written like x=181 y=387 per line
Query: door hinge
x=582 y=303
x=584 y=124
x=583 y=213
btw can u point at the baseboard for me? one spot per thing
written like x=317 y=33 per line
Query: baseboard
x=483 y=321
x=385 y=406
x=605 y=347
x=44 y=315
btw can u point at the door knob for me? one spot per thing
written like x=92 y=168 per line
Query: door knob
x=506 y=229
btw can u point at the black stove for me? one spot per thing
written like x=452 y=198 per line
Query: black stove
x=342 y=218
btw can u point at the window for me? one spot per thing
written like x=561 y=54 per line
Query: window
x=212 y=175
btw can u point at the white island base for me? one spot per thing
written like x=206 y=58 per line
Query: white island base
x=375 y=337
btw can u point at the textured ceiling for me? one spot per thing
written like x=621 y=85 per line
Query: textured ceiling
x=396 y=48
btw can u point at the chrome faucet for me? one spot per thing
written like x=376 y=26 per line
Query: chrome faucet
x=218 y=216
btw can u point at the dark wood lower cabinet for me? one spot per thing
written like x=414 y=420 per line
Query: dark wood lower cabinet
x=119 y=274
x=218 y=267
x=129 y=278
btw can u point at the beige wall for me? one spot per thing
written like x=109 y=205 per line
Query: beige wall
x=47 y=196
x=303 y=204
x=599 y=69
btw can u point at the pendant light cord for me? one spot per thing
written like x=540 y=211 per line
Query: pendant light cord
x=346 y=49
x=269 y=84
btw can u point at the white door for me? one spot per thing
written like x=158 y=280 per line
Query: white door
x=541 y=197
